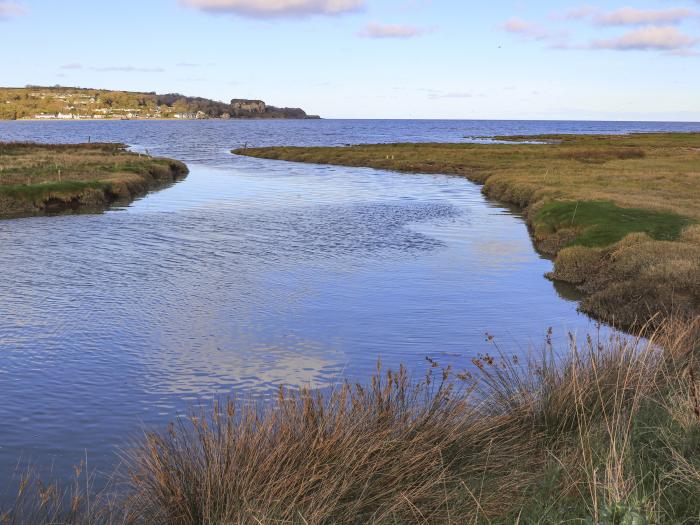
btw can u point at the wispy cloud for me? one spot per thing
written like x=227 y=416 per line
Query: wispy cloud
x=120 y=69
x=436 y=94
x=374 y=30
x=129 y=69
x=657 y=30
x=534 y=31
x=10 y=10
x=575 y=13
x=277 y=8
x=527 y=29
x=628 y=16
x=631 y=16
x=649 y=38
x=452 y=94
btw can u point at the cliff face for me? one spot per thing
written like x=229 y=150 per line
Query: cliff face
x=244 y=106
x=64 y=103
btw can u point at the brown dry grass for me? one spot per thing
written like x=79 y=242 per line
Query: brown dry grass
x=606 y=431
x=582 y=195
x=36 y=178
x=653 y=171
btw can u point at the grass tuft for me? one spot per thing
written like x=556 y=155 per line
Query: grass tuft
x=606 y=431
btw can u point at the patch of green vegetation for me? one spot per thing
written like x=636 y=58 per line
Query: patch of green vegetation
x=35 y=192
x=637 y=183
x=665 y=448
x=40 y=178
x=602 y=223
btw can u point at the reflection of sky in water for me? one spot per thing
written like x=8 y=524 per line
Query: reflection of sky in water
x=248 y=275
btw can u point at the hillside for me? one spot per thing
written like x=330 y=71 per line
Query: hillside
x=67 y=103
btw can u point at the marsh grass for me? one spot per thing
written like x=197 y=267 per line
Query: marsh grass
x=36 y=178
x=601 y=223
x=583 y=196
x=607 y=431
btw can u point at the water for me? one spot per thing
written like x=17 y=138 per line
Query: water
x=250 y=274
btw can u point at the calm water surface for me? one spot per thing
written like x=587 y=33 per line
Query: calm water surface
x=250 y=274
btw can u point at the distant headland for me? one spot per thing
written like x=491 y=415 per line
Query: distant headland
x=71 y=103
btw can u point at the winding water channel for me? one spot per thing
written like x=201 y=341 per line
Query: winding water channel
x=250 y=274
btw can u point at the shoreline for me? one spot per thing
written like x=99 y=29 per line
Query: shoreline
x=146 y=119
x=589 y=203
x=49 y=179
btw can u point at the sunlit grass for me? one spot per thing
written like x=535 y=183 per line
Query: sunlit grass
x=600 y=223
x=605 y=431
x=37 y=178
x=583 y=192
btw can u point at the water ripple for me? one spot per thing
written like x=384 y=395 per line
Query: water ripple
x=251 y=274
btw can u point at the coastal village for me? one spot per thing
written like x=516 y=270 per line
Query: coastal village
x=63 y=103
x=119 y=114
x=80 y=106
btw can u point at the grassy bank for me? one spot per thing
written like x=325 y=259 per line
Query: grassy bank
x=620 y=213
x=605 y=432
x=37 y=179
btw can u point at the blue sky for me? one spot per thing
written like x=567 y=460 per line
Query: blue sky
x=627 y=60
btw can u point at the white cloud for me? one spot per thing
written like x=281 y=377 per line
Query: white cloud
x=452 y=94
x=575 y=13
x=527 y=29
x=277 y=8
x=10 y=10
x=628 y=16
x=533 y=31
x=373 y=30
x=658 y=31
x=648 y=38
x=120 y=69
x=129 y=69
x=631 y=16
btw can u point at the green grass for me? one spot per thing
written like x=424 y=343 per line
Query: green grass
x=601 y=223
x=35 y=192
x=38 y=177
x=646 y=186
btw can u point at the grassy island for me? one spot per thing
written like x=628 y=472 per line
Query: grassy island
x=619 y=213
x=39 y=179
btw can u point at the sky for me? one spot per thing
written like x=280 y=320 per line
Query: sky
x=456 y=59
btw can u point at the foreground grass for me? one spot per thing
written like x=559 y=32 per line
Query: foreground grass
x=606 y=432
x=36 y=179
x=620 y=213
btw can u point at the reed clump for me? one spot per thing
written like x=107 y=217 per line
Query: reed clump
x=607 y=431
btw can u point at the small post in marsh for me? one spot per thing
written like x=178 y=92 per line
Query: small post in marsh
x=574 y=215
